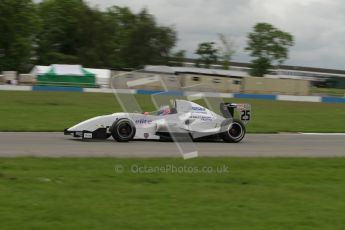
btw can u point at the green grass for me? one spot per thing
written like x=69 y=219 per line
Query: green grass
x=256 y=193
x=328 y=91
x=54 y=111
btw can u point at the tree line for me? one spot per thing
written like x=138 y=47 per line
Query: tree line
x=267 y=45
x=72 y=32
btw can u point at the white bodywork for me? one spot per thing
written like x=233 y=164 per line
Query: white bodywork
x=189 y=117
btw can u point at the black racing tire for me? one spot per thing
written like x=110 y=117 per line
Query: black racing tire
x=235 y=132
x=123 y=130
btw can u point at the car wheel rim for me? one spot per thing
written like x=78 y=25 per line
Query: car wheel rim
x=124 y=130
x=235 y=130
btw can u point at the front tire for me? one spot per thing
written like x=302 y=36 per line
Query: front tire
x=234 y=133
x=123 y=130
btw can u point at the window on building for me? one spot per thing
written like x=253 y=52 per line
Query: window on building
x=196 y=78
x=236 y=82
x=216 y=80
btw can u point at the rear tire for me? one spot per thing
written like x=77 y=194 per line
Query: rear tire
x=123 y=130
x=235 y=132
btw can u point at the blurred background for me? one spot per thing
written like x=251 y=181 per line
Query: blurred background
x=79 y=43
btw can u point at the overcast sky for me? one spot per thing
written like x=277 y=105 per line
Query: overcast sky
x=318 y=26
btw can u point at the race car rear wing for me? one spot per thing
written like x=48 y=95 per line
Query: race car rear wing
x=243 y=111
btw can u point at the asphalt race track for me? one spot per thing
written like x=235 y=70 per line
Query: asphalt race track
x=58 y=145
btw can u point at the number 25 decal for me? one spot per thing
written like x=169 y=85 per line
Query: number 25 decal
x=245 y=115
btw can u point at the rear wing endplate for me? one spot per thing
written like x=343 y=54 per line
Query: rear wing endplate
x=234 y=110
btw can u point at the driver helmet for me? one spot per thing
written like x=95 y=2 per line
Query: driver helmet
x=163 y=111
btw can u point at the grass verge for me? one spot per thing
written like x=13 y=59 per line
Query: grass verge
x=328 y=92
x=54 y=111
x=91 y=193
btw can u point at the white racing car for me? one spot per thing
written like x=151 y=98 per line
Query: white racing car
x=183 y=119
